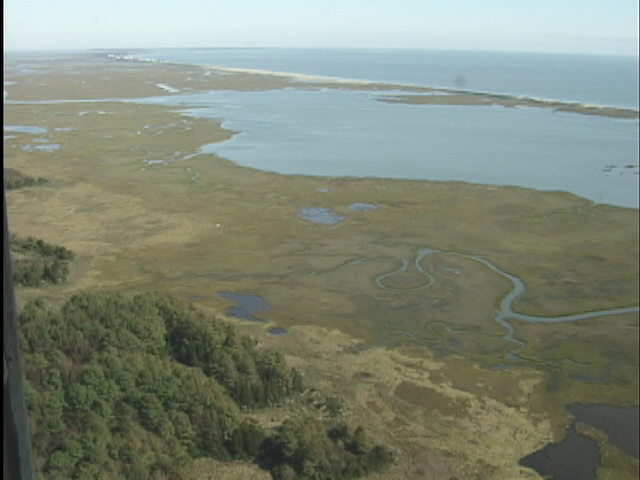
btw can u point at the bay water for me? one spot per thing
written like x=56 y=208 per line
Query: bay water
x=334 y=132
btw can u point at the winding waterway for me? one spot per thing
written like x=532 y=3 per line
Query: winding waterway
x=505 y=310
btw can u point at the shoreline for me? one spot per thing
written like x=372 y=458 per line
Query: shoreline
x=168 y=79
x=458 y=96
x=100 y=104
x=447 y=95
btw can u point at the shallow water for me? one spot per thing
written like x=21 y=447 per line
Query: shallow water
x=347 y=133
x=319 y=215
x=247 y=304
x=40 y=148
x=277 y=331
x=621 y=424
x=576 y=457
x=362 y=207
x=24 y=129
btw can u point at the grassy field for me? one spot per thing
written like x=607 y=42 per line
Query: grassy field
x=410 y=362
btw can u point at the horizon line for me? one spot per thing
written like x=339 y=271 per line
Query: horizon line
x=443 y=49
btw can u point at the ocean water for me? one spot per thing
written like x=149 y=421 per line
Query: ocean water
x=590 y=79
x=350 y=133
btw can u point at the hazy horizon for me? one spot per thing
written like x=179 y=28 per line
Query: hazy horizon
x=143 y=49
x=547 y=26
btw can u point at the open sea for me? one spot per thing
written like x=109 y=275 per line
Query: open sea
x=590 y=79
x=333 y=132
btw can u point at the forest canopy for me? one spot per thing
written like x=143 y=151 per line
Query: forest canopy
x=136 y=387
x=35 y=262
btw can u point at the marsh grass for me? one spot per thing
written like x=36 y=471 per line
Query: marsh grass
x=137 y=226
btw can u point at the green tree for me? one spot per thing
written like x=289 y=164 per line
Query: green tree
x=136 y=387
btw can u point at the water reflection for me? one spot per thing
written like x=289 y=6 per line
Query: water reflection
x=319 y=215
x=247 y=304
x=576 y=457
x=621 y=424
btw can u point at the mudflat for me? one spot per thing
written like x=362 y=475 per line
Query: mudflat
x=409 y=339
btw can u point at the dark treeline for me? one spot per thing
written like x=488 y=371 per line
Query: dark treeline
x=15 y=179
x=306 y=449
x=35 y=262
x=136 y=387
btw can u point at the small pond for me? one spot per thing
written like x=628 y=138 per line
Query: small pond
x=362 y=207
x=620 y=424
x=40 y=148
x=577 y=457
x=246 y=305
x=24 y=129
x=319 y=215
x=277 y=331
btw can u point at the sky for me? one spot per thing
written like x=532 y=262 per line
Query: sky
x=564 y=26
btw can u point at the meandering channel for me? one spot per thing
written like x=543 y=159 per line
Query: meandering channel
x=505 y=310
